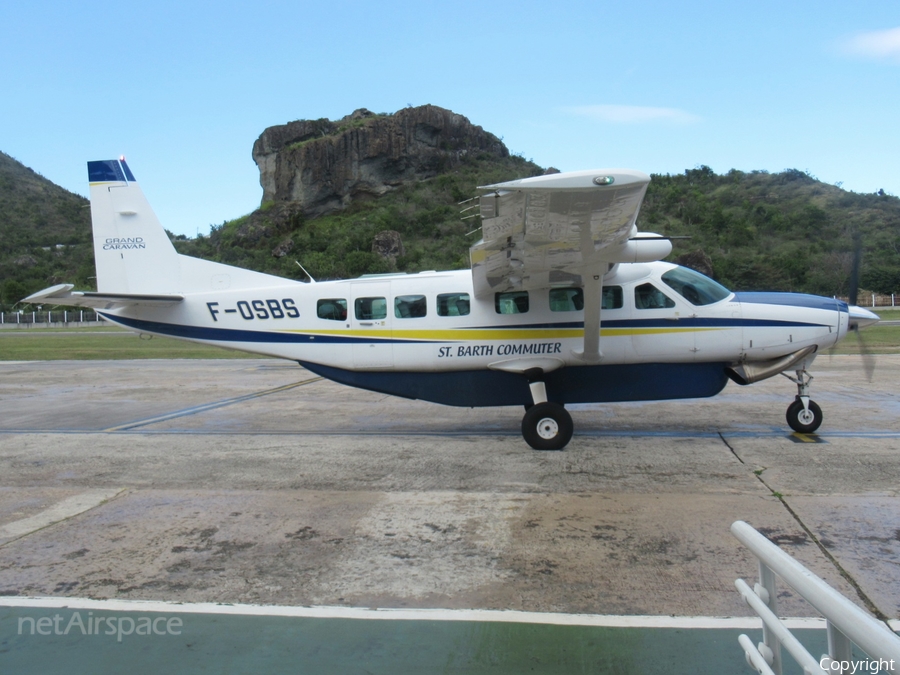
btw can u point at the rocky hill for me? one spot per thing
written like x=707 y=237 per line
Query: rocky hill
x=364 y=194
x=323 y=166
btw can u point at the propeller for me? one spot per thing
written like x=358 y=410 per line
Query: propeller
x=860 y=317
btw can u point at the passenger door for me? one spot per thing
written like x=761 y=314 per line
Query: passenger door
x=370 y=319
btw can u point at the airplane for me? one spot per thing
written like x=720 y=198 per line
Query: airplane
x=566 y=302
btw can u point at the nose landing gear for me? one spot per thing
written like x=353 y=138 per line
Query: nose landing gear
x=803 y=415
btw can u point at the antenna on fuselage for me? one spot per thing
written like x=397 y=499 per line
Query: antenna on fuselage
x=311 y=280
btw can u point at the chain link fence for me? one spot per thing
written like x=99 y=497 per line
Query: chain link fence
x=50 y=318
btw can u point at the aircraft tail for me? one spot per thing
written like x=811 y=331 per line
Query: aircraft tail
x=132 y=251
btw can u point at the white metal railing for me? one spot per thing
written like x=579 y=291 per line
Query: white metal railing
x=846 y=623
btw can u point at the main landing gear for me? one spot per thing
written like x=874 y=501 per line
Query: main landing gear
x=545 y=426
x=803 y=415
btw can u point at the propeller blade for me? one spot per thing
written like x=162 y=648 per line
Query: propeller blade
x=865 y=352
x=854 y=272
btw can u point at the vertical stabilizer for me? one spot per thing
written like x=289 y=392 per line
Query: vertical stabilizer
x=132 y=251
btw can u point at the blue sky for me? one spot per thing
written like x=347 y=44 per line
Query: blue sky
x=183 y=89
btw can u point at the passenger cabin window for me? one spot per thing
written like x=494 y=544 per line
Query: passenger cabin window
x=410 y=306
x=648 y=296
x=566 y=299
x=333 y=309
x=370 y=308
x=572 y=299
x=612 y=297
x=694 y=287
x=453 y=304
x=513 y=302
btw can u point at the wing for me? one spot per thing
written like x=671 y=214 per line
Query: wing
x=565 y=229
x=64 y=295
x=553 y=230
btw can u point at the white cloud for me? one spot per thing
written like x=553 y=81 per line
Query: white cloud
x=633 y=114
x=878 y=44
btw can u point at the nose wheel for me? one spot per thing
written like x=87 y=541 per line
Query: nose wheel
x=803 y=415
x=804 y=420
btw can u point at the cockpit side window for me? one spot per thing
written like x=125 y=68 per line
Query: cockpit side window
x=694 y=287
x=648 y=296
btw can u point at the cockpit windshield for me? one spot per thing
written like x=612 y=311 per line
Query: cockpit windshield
x=694 y=287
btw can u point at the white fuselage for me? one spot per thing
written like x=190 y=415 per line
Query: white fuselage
x=333 y=324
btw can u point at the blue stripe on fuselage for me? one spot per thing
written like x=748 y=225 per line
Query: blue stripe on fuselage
x=236 y=335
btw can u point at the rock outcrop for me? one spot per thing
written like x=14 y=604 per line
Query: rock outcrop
x=324 y=165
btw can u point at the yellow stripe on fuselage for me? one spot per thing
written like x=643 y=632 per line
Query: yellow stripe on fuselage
x=485 y=334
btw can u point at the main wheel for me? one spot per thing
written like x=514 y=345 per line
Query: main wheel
x=804 y=421
x=547 y=426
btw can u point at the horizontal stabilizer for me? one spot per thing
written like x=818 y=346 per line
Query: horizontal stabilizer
x=64 y=295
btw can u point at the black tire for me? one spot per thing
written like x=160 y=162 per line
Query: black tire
x=547 y=426
x=801 y=421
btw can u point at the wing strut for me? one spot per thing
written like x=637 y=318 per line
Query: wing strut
x=593 y=298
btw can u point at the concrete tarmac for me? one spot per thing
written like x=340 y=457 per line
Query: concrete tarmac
x=254 y=481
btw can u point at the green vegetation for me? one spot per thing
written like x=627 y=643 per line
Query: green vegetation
x=872 y=340
x=784 y=232
x=759 y=231
x=887 y=314
x=45 y=234
x=106 y=342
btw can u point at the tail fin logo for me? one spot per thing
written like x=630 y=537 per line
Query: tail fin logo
x=117 y=244
x=110 y=171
